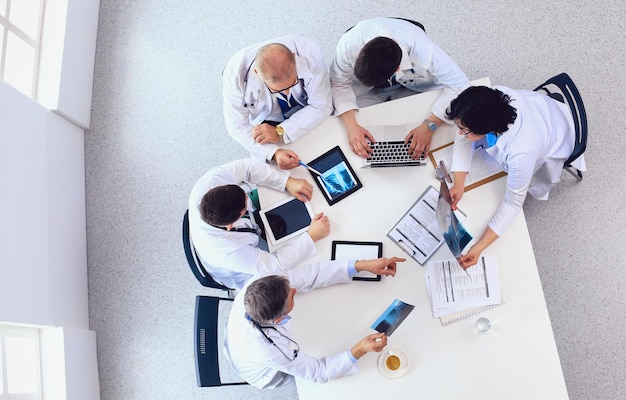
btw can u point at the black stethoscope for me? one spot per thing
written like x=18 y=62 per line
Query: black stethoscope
x=260 y=328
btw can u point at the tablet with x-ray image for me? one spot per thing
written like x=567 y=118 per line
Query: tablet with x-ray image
x=338 y=179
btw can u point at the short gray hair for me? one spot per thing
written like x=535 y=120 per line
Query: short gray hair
x=275 y=62
x=265 y=299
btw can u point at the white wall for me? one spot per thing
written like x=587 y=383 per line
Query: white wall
x=43 y=261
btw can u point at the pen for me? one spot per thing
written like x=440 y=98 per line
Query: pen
x=310 y=169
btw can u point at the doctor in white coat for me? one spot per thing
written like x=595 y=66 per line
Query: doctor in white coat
x=528 y=133
x=258 y=340
x=227 y=243
x=275 y=92
x=384 y=59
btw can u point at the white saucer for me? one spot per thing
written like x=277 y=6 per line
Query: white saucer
x=404 y=363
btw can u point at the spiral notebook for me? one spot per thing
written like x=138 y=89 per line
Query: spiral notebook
x=461 y=315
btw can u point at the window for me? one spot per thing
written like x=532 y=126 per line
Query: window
x=20 y=371
x=20 y=39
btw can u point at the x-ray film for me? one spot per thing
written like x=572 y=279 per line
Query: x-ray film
x=338 y=179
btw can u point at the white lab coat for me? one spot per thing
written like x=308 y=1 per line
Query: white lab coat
x=424 y=66
x=261 y=364
x=248 y=102
x=532 y=151
x=232 y=257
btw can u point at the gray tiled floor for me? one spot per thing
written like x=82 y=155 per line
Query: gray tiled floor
x=157 y=126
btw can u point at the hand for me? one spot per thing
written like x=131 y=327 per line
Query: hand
x=473 y=255
x=299 y=188
x=379 y=266
x=456 y=193
x=471 y=258
x=286 y=159
x=420 y=138
x=319 y=228
x=374 y=342
x=360 y=139
x=265 y=133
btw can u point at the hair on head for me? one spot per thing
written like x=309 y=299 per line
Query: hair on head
x=265 y=299
x=275 y=62
x=482 y=110
x=378 y=60
x=222 y=205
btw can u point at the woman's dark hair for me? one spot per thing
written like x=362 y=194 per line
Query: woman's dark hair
x=483 y=110
x=222 y=205
x=377 y=61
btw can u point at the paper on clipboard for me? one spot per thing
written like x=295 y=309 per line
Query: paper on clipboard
x=417 y=233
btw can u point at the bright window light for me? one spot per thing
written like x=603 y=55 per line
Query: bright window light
x=22 y=365
x=20 y=64
x=20 y=31
x=24 y=14
x=20 y=359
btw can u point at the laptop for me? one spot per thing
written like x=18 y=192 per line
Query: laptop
x=390 y=149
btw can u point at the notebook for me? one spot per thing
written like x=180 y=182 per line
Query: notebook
x=389 y=150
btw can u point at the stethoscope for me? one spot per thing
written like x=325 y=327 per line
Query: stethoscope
x=260 y=328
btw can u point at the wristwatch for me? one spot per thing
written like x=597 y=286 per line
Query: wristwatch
x=280 y=132
x=430 y=124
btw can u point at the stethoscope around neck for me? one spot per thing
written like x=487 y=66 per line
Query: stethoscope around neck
x=260 y=328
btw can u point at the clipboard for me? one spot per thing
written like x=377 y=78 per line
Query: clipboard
x=483 y=169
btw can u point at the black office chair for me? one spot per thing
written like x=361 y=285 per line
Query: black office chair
x=562 y=88
x=196 y=266
x=211 y=369
x=404 y=19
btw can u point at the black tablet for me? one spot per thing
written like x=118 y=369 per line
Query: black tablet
x=286 y=219
x=343 y=250
x=338 y=179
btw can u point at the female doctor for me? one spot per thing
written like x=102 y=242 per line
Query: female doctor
x=528 y=133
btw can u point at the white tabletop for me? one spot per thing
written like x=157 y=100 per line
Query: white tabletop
x=516 y=359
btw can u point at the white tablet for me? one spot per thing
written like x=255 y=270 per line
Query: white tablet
x=286 y=219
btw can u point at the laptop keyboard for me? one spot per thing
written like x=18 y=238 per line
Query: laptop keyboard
x=391 y=154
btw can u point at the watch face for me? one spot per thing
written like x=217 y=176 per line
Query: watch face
x=280 y=131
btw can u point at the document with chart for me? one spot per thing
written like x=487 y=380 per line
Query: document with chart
x=451 y=290
x=417 y=233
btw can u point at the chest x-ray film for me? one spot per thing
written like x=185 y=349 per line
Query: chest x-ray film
x=338 y=179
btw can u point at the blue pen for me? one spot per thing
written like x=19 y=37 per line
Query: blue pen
x=310 y=169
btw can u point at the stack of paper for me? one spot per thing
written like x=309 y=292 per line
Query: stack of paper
x=452 y=290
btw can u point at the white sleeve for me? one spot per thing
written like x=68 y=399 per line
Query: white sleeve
x=449 y=74
x=341 y=79
x=517 y=182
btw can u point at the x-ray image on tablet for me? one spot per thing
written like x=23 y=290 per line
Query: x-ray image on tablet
x=286 y=219
x=338 y=179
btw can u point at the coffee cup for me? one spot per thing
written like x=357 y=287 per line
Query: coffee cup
x=393 y=362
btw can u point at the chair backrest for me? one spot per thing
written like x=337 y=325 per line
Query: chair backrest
x=207 y=344
x=562 y=88
x=193 y=260
x=404 y=19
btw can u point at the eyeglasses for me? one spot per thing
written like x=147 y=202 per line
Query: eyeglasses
x=465 y=131
x=272 y=91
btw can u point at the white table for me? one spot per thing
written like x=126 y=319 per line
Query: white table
x=516 y=359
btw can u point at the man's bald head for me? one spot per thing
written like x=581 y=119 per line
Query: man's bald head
x=275 y=63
